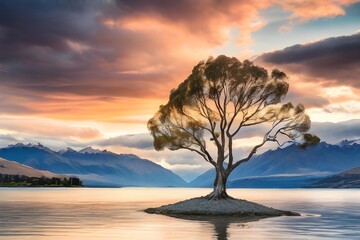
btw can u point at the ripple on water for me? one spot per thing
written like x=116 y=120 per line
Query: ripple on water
x=117 y=214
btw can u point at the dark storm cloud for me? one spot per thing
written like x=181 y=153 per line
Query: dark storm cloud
x=68 y=44
x=63 y=47
x=336 y=59
x=34 y=35
x=34 y=39
x=42 y=23
x=126 y=48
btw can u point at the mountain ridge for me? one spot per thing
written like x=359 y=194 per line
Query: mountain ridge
x=97 y=168
x=15 y=168
x=314 y=162
x=347 y=179
x=282 y=167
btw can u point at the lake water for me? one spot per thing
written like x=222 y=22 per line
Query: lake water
x=91 y=213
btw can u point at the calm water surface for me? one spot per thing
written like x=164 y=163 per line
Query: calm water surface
x=64 y=213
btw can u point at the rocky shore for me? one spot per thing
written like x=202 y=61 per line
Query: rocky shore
x=202 y=206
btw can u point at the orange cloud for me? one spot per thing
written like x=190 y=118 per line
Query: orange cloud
x=311 y=10
x=323 y=75
x=46 y=127
x=116 y=61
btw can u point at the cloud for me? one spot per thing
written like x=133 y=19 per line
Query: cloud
x=337 y=112
x=99 y=60
x=335 y=132
x=46 y=127
x=310 y=10
x=286 y=27
x=59 y=49
x=140 y=141
x=187 y=171
x=117 y=49
x=323 y=75
x=306 y=90
x=66 y=47
x=205 y=19
x=308 y=100
x=335 y=60
x=185 y=163
x=6 y=139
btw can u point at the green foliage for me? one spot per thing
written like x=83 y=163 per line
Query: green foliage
x=220 y=97
x=310 y=140
x=24 y=181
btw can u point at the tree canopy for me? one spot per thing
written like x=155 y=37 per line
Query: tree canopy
x=221 y=97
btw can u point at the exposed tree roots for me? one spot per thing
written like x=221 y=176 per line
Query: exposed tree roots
x=218 y=196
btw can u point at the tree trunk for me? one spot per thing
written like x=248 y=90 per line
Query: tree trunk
x=219 y=191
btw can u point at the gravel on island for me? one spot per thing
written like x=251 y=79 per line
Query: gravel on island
x=202 y=206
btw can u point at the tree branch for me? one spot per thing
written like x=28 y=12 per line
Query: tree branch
x=205 y=156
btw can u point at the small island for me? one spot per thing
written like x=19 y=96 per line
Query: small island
x=206 y=115
x=230 y=207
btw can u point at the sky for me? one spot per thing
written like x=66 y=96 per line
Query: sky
x=81 y=73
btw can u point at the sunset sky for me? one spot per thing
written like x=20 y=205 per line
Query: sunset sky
x=80 y=73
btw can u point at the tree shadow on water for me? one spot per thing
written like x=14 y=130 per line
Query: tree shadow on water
x=221 y=224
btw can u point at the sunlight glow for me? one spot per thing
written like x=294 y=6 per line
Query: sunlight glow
x=247 y=142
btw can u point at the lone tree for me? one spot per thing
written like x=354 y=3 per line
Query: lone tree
x=220 y=98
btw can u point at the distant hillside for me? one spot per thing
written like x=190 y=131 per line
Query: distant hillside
x=347 y=179
x=94 y=167
x=280 y=181
x=13 y=174
x=280 y=168
x=313 y=163
x=15 y=168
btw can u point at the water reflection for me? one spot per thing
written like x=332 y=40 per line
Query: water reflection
x=67 y=214
x=221 y=224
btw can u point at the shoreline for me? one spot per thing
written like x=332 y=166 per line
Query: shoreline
x=202 y=207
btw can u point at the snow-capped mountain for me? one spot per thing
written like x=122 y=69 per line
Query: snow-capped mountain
x=349 y=142
x=94 y=167
x=90 y=150
x=289 y=167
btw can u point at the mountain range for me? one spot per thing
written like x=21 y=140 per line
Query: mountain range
x=15 y=168
x=347 y=179
x=94 y=167
x=281 y=168
x=290 y=167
